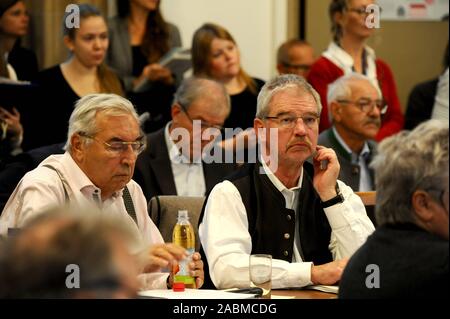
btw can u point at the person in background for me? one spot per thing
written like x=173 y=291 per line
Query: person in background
x=355 y=108
x=139 y=38
x=172 y=166
x=408 y=253
x=296 y=211
x=215 y=55
x=83 y=73
x=422 y=99
x=68 y=253
x=16 y=63
x=102 y=146
x=20 y=63
x=348 y=53
x=296 y=57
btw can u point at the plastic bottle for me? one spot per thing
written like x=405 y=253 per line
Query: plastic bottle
x=183 y=235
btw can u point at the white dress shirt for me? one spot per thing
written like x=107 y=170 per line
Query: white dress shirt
x=42 y=189
x=189 y=177
x=227 y=242
x=440 y=108
x=365 y=180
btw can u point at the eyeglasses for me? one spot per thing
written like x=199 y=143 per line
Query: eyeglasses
x=204 y=125
x=116 y=148
x=298 y=67
x=289 y=121
x=362 y=11
x=367 y=105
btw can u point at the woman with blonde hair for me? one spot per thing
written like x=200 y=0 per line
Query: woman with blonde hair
x=215 y=55
x=349 y=53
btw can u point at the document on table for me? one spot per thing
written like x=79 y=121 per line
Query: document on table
x=194 y=294
x=324 y=288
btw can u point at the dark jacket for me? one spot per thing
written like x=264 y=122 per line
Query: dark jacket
x=350 y=173
x=154 y=174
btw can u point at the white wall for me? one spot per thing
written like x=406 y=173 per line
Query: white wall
x=258 y=26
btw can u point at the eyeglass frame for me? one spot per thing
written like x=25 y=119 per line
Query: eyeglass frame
x=124 y=145
x=294 y=120
x=362 y=10
x=303 y=67
x=204 y=125
x=373 y=104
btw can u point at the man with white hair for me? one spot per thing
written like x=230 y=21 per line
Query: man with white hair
x=355 y=109
x=104 y=140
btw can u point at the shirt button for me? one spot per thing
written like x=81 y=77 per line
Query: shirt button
x=287 y=236
x=286 y=253
x=289 y=217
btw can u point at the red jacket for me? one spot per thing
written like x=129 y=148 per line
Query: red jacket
x=324 y=72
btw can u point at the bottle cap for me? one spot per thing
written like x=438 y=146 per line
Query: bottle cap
x=183 y=214
x=178 y=286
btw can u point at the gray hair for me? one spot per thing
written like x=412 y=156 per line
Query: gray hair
x=85 y=238
x=83 y=116
x=280 y=83
x=341 y=88
x=406 y=162
x=194 y=88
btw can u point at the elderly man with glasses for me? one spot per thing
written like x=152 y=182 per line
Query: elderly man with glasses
x=355 y=110
x=178 y=160
x=104 y=140
x=295 y=211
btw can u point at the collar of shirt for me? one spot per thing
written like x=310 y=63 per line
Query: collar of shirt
x=79 y=180
x=355 y=157
x=175 y=155
x=290 y=194
x=344 y=60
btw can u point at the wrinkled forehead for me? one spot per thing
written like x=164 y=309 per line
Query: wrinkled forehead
x=363 y=88
x=293 y=100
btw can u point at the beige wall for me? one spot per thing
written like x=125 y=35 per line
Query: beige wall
x=414 y=50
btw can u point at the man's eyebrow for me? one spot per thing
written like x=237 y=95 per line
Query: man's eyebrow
x=118 y=139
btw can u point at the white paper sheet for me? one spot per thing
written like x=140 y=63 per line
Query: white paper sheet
x=194 y=294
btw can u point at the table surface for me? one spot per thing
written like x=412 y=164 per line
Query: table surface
x=304 y=294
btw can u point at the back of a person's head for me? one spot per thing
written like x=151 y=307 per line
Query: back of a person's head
x=407 y=162
x=66 y=255
x=194 y=88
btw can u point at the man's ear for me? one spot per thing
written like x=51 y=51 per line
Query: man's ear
x=175 y=110
x=421 y=204
x=260 y=129
x=77 y=147
x=336 y=110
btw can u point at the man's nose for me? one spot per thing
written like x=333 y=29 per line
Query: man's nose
x=300 y=127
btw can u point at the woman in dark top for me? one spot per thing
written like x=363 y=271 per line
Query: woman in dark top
x=216 y=55
x=82 y=74
x=139 y=38
x=16 y=63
